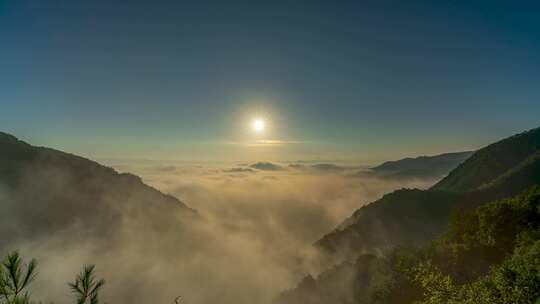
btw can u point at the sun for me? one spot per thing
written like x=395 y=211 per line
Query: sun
x=258 y=125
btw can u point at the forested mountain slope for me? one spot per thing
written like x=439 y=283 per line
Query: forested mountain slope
x=412 y=217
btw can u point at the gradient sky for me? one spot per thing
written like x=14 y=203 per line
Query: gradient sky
x=180 y=80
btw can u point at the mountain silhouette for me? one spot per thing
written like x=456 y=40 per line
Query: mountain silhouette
x=422 y=167
x=44 y=191
x=412 y=217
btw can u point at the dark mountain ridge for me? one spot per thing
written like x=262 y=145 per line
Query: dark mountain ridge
x=44 y=191
x=422 y=167
x=485 y=255
x=491 y=162
x=416 y=217
x=412 y=215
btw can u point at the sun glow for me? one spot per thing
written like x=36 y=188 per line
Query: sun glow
x=258 y=125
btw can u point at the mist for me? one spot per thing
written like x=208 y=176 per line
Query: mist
x=248 y=238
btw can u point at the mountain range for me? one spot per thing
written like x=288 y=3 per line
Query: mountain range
x=422 y=167
x=412 y=217
x=47 y=193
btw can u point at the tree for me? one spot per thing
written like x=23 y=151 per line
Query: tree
x=85 y=287
x=15 y=276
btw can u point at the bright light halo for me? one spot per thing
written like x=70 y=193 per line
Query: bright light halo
x=258 y=125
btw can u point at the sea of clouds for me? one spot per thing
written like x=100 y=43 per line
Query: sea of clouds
x=251 y=239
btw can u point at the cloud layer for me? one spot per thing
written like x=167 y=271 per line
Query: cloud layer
x=253 y=238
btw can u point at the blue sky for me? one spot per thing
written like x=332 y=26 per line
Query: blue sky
x=364 y=80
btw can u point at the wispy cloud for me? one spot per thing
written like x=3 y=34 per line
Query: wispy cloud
x=273 y=142
x=238 y=170
x=265 y=142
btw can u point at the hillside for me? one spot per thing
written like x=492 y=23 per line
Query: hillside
x=491 y=162
x=485 y=255
x=415 y=217
x=422 y=167
x=43 y=191
x=411 y=215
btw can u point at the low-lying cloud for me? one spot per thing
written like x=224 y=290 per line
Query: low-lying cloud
x=323 y=167
x=251 y=238
x=238 y=170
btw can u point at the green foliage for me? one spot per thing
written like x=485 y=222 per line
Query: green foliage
x=438 y=287
x=516 y=280
x=15 y=276
x=488 y=255
x=392 y=282
x=85 y=287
